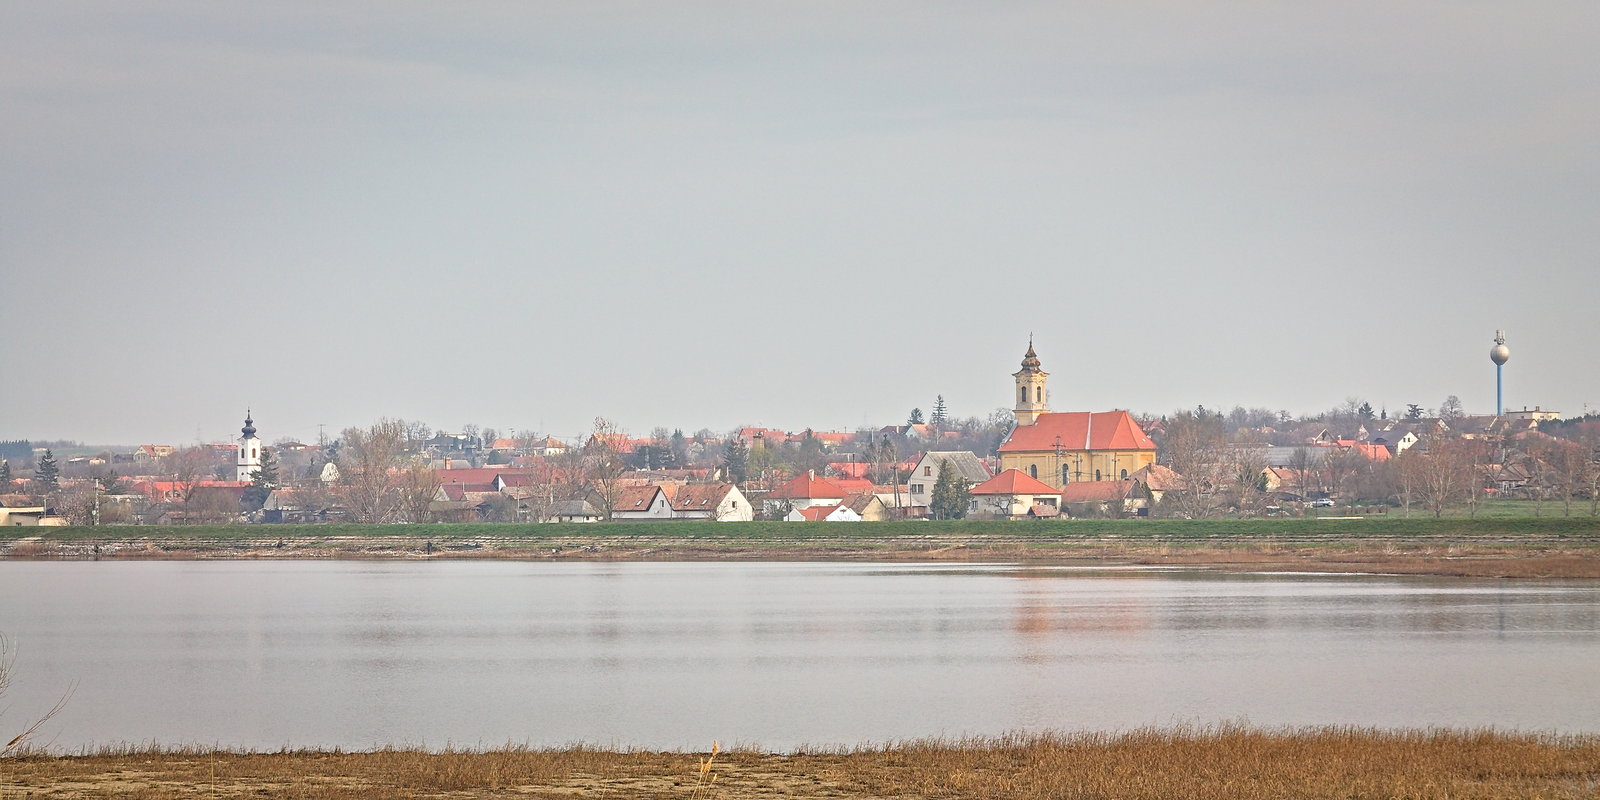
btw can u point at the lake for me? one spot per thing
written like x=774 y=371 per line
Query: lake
x=262 y=654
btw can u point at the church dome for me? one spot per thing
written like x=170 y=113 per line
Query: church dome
x=249 y=428
x=1031 y=360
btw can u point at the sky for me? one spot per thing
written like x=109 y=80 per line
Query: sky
x=527 y=215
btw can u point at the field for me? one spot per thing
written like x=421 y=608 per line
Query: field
x=1522 y=546
x=1232 y=762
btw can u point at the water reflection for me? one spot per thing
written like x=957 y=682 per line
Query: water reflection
x=264 y=654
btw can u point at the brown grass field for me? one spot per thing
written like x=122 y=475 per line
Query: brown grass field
x=1225 y=762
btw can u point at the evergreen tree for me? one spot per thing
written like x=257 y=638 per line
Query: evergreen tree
x=915 y=418
x=1413 y=411
x=940 y=416
x=736 y=460
x=262 y=481
x=1364 y=411
x=5 y=475
x=108 y=482
x=46 y=473
x=951 y=494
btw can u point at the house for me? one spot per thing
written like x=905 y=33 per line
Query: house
x=572 y=511
x=718 y=502
x=1105 y=498
x=836 y=513
x=1011 y=495
x=1159 y=480
x=869 y=506
x=1396 y=440
x=806 y=489
x=1060 y=448
x=22 y=510
x=641 y=503
x=919 y=484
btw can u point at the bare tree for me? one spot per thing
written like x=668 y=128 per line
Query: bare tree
x=365 y=457
x=417 y=486
x=1444 y=473
x=604 y=463
x=1195 y=445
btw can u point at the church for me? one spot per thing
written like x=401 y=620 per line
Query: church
x=1062 y=447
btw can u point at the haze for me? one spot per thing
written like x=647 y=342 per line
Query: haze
x=708 y=214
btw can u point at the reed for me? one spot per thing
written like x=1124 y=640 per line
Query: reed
x=1232 y=761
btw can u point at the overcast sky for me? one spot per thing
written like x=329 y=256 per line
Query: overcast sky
x=525 y=215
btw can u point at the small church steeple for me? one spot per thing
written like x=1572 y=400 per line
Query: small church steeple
x=249 y=460
x=1033 y=394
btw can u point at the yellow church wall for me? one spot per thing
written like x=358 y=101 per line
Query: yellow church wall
x=1081 y=464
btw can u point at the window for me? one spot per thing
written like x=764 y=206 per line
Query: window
x=916 y=488
x=927 y=472
x=1033 y=470
x=1124 y=474
x=1038 y=394
x=1065 y=475
x=1022 y=395
x=1097 y=474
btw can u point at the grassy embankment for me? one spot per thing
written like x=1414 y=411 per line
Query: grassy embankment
x=1488 y=547
x=1228 y=762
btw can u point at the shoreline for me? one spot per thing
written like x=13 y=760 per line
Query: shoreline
x=1514 y=548
x=1448 y=558
x=1234 y=761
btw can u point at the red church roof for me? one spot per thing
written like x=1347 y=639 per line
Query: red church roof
x=1080 y=430
x=1014 y=481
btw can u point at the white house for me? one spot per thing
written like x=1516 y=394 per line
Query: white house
x=718 y=502
x=919 y=484
x=1011 y=495
x=804 y=491
x=637 y=503
x=823 y=514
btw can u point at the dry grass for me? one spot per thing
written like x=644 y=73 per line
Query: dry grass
x=1228 y=762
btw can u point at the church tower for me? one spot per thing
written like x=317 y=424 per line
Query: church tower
x=1033 y=396
x=249 y=450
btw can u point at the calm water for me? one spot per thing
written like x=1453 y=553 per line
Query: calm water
x=262 y=654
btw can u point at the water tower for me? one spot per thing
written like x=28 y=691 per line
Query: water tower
x=1499 y=354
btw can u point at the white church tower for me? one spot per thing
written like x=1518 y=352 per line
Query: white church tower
x=249 y=450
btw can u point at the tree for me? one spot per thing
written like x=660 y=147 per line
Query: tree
x=1441 y=473
x=365 y=457
x=736 y=460
x=604 y=464
x=951 y=493
x=1195 y=445
x=262 y=481
x=418 y=482
x=1364 y=411
x=939 y=416
x=46 y=473
x=1451 y=410
x=1413 y=412
x=5 y=476
x=915 y=418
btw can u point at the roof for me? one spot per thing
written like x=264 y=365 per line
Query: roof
x=1159 y=478
x=807 y=486
x=573 y=508
x=1095 y=491
x=1014 y=481
x=1042 y=510
x=817 y=513
x=635 y=498
x=966 y=464
x=1079 y=430
x=699 y=497
x=859 y=503
x=459 y=491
